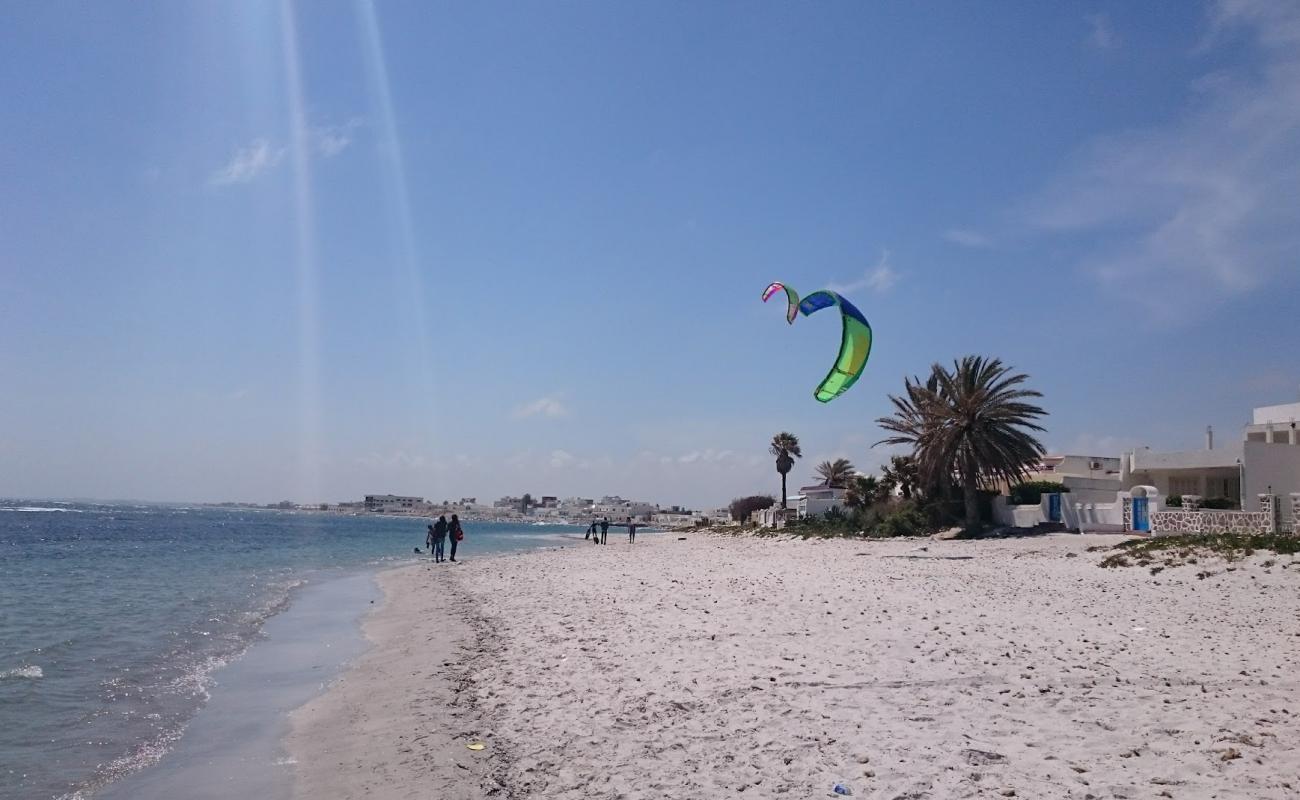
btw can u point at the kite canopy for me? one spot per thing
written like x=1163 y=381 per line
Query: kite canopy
x=791 y=296
x=855 y=343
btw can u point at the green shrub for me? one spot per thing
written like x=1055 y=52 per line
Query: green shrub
x=907 y=520
x=1174 y=501
x=1030 y=493
x=1218 y=503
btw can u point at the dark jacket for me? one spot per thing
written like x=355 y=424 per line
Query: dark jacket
x=439 y=529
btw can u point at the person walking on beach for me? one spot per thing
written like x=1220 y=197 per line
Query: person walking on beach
x=590 y=529
x=428 y=539
x=631 y=531
x=604 y=529
x=456 y=533
x=439 y=535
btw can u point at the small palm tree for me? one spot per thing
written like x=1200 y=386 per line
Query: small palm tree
x=900 y=474
x=970 y=424
x=863 y=492
x=785 y=446
x=836 y=473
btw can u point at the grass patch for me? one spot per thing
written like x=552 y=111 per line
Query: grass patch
x=1173 y=551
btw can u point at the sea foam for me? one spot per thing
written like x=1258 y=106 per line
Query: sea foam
x=29 y=672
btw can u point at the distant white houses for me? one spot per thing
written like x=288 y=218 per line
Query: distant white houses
x=616 y=508
x=393 y=504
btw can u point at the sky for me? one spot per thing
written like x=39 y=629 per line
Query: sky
x=276 y=250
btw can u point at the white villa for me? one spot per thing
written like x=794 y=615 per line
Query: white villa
x=1259 y=475
x=814 y=501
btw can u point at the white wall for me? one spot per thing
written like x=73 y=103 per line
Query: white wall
x=1276 y=465
x=1283 y=414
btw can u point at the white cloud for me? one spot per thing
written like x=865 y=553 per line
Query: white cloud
x=561 y=459
x=399 y=459
x=967 y=238
x=247 y=163
x=1183 y=214
x=879 y=278
x=330 y=140
x=541 y=407
x=1101 y=34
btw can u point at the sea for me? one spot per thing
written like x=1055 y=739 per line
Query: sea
x=114 y=619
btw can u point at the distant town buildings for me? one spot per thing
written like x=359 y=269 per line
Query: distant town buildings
x=392 y=504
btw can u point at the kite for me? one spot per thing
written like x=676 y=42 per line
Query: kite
x=791 y=296
x=855 y=343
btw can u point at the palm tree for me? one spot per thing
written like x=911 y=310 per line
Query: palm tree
x=864 y=491
x=971 y=424
x=900 y=474
x=836 y=473
x=785 y=446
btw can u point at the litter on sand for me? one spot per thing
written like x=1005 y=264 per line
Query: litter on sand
x=476 y=745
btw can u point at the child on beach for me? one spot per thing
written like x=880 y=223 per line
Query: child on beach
x=439 y=534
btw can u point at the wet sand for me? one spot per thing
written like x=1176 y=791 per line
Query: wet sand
x=768 y=668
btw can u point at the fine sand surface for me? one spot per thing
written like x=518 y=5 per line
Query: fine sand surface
x=724 y=666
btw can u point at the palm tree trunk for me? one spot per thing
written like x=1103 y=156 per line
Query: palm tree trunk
x=969 y=492
x=783 y=491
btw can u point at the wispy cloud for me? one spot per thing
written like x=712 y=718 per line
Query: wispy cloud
x=247 y=163
x=330 y=140
x=399 y=459
x=878 y=278
x=1101 y=34
x=967 y=238
x=541 y=407
x=561 y=459
x=1204 y=207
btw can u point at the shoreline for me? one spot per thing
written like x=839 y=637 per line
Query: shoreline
x=232 y=746
x=721 y=664
x=395 y=723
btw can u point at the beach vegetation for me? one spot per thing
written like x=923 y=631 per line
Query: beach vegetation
x=1030 y=493
x=865 y=491
x=893 y=517
x=1174 y=501
x=970 y=426
x=900 y=475
x=743 y=507
x=1174 y=551
x=836 y=473
x=1219 y=504
x=785 y=446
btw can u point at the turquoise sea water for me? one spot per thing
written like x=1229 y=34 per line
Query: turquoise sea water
x=113 y=617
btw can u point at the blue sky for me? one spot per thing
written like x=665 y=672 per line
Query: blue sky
x=273 y=250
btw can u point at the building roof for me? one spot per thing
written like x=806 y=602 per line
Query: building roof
x=1279 y=415
x=1144 y=460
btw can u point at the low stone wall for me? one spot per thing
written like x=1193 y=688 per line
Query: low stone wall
x=1211 y=522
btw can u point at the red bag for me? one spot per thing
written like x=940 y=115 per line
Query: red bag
x=460 y=534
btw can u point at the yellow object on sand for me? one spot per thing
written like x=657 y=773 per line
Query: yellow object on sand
x=476 y=745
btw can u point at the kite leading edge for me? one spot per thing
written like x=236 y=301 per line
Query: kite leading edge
x=855 y=341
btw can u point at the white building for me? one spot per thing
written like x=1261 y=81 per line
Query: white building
x=816 y=501
x=393 y=504
x=616 y=509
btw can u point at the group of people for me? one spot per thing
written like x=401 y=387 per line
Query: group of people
x=599 y=530
x=439 y=533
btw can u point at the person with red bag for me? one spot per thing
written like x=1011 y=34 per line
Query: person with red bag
x=455 y=532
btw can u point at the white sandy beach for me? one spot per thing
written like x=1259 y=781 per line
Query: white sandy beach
x=769 y=668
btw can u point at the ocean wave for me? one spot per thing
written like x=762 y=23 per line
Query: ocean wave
x=29 y=672
x=39 y=508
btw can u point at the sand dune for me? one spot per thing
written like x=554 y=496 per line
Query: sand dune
x=767 y=668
